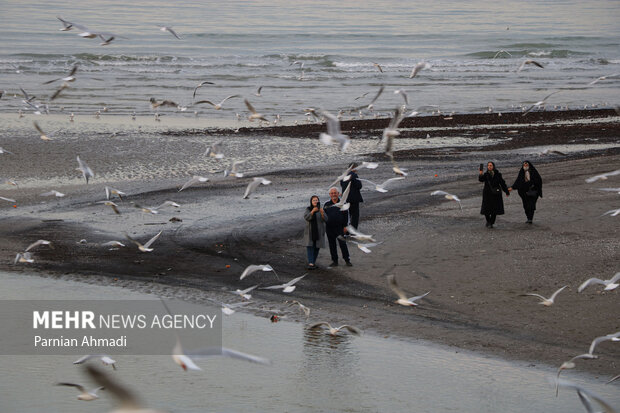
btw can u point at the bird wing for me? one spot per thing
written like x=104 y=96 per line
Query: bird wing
x=295 y=280
x=400 y=178
x=249 y=270
x=439 y=193
x=85 y=358
x=133 y=240
x=204 y=101
x=124 y=395
x=247 y=290
x=394 y=286
x=78 y=386
x=249 y=106
x=251 y=187
x=229 y=97
x=536 y=295
x=351 y=329
x=333 y=124
x=414 y=299
x=615 y=278
x=152 y=240
x=319 y=324
x=601 y=339
x=169 y=29
x=588 y=282
x=570 y=385
x=556 y=293
x=370 y=182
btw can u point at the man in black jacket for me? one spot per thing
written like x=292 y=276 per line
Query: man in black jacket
x=355 y=196
x=337 y=221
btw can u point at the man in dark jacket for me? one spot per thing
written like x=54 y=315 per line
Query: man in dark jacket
x=337 y=221
x=355 y=196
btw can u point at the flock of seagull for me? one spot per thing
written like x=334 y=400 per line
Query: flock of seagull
x=332 y=136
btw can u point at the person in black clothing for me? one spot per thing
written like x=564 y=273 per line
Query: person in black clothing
x=335 y=227
x=529 y=186
x=492 y=202
x=355 y=196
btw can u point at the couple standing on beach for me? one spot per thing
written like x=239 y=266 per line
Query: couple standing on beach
x=330 y=222
x=528 y=185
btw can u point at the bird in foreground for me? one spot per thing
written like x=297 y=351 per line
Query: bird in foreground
x=334 y=331
x=417 y=68
x=255 y=115
x=195 y=180
x=402 y=298
x=39 y=242
x=111 y=204
x=244 y=293
x=355 y=234
x=582 y=391
x=169 y=30
x=105 y=359
x=201 y=84
x=381 y=187
x=42 y=134
x=540 y=102
x=392 y=132
x=87 y=173
x=255 y=183
x=546 y=301
x=610 y=284
x=334 y=135
x=302 y=307
x=529 y=62
x=253 y=268
x=603 y=176
x=24 y=257
x=448 y=196
x=217 y=106
x=85 y=395
x=147 y=246
x=185 y=359
x=109 y=192
x=53 y=193
x=69 y=78
x=570 y=364
x=612 y=212
x=287 y=287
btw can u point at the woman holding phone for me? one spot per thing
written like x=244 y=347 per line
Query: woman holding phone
x=314 y=233
x=492 y=202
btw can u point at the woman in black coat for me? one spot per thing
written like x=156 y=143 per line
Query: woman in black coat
x=529 y=187
x=492 y=202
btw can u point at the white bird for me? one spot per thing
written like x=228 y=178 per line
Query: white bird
x=105 y=360
x=7 y=199
x=69 y=78
x=39 y=242
x=610 y=284
x=582 y=391
x=185 y=361
x=355 y=234
x=570 y=364
x=368 y=165
x=24 y=257
x=546 y=301
x=448 y=196
x=111 y=191
x=234 y=170
x=612 y=212
x=333 y=134
x=201 y=84
x=195 y=179
x=169 y=30
x=43 y=134
x=365 y=247
x=345 y=176
x=381 y=187
x=258 y=91
x=228 y=309
x=602 y=78
x=334 y=331
x=540 y=102
x=87 y=173
x=392 y=132
x=147 y=245
x=378 y=66
x=402 y=298
x=302 y=307
x=255 y=183
x=217 y=106
x=253 y=268
x=85 y=395
x=417 y=68
x=255 y=115
x=597 y=340
x=397 y=170
x=111 y=204
x=53 y=193
x=244 y=293
x=215 y=150
x=2 y=150
x=603 y=176
x=613 y=379
x=529 y=62
x=403 y=94
x=616 y=190
x=287 y=287
x=167 y=203
x=114 y=244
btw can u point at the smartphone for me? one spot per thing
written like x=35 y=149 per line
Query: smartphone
x=481 y=167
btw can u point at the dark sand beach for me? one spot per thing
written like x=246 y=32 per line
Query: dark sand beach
x=475 y=275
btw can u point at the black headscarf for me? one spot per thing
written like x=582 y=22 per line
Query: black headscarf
x=314 y=224
x=535 y=177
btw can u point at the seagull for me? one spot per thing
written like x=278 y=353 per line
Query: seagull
x=2 y=150
x=39 y=242
x=66 y=25
x=333 y=134
x=85 y=31
x=25 y=257
x=402 y=298
x=355 y=234
x=392 y=132
x=448 y=196
x=255 y=183
x=613 y=379
x=215 y=151
x=582 y=391
x=548 y=151
x=58 y=91
x=603 y=176
x=69 y=78
x=365 y=247
x=602 y=78
x=381 y=187
x=345 y=176
x=612 y=212
x=8 y=199
x=253 y=268
x=287 y=287
x=53 y=193
x=217 y=106
x=233 y=171
x=597 y=340
x=374 y=99
x=195 y=179
x=546 y=301
x=228 y=309
x=167 y=203
x=302 y=307
x=105 y=359
x=417 y=68
x=87 y=173
x=169 y=30
x=610 y=284
x=529 y=62
x=146 y=210
x=185 y=361
x=147 y=245
x=500 y=52
x=105 y=41
x=255 y=114
x=617 y=190
x=43 y=135
x=403 y=94
x=378 y=66
x=115 y=244
x=258 y=91
x=85 y=395
x=334 y=331
x=244 y=293
x=201 y=84
x=368 y=165
x=540 y=103
x=109 y=192
x=157 y=103
x=111 y=204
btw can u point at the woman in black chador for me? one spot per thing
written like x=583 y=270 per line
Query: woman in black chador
x=492 y=202
x=529 y=187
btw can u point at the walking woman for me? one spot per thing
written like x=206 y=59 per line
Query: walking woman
x=492 y=202
x=314 y=233
x=529 y=187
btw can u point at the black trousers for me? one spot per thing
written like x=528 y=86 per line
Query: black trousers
x=332 y=238
x=529 y=205
x=490 y=218
x=354 y=214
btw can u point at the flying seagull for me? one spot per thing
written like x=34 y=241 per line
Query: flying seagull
x=69 y=78
x=87 y=173
x=335 y=330
x=287 y=287
x=253 y=268
x=84 y=395
x=201 y=84
x=603 y=176
x=610 y=284
x=147 y=245
x=195 y=179
x=255 y=183
x=448 y=196
x=381 y=187
x=417 y=68
x=169 y=30
x=333 y=134
x=217 y=106
x=529 y=62
x=105 y=359
x=546 y=301
x=402 y=298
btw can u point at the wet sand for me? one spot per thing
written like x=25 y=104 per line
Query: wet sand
x=475 y=275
